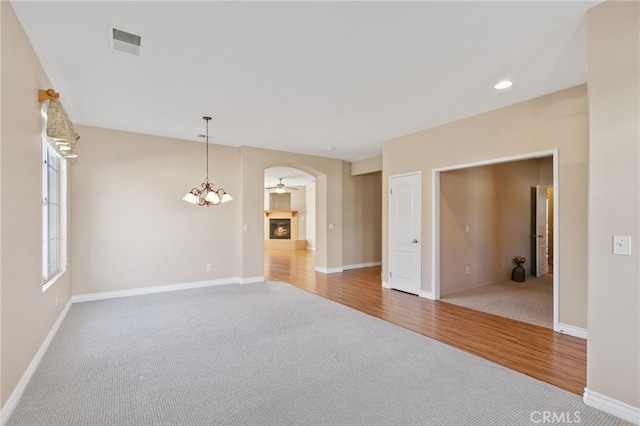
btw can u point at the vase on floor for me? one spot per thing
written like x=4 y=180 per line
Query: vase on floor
x=518 y=274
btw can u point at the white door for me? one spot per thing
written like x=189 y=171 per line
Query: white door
x=404 y=232
x=541 y=236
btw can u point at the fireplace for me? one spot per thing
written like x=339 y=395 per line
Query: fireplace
x=280 y=229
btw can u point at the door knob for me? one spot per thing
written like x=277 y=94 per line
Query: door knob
x=414 y=241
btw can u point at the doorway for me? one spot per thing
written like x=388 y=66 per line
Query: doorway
x=287 y=189
x=482 y=224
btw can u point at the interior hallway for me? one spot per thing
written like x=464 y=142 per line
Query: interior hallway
x=537 y=351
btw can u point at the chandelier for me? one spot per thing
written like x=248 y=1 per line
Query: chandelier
x=208 y=195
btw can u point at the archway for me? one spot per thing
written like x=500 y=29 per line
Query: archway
x=291 y=189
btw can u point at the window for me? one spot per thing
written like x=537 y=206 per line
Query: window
x=53 y=210
x=50 y=212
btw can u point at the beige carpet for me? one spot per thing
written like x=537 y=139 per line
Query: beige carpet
x=270 y=354
x=530 y=301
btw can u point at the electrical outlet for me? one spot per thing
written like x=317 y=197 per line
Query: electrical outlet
x=467 y=269
x=208 y=266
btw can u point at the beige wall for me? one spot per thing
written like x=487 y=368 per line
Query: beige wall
x=366 y=166
x=131 y=228
x=556 y=121
x=279 y=201
x=311 y=217
x=362 y=218
x=494 y=201
x=299 y=203
x=613 y=353
x=27 y=313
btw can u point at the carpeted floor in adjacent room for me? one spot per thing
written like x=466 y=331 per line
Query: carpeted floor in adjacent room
x=530 y=301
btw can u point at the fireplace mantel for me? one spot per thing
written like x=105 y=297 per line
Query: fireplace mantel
x=281 y=214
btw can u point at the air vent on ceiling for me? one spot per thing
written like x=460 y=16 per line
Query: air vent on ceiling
x=124 y=41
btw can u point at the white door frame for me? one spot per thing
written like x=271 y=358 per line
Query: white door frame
x=537 y=267
x=435 y=222
x=387 y=284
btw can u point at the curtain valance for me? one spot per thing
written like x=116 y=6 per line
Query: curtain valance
x=59 y=126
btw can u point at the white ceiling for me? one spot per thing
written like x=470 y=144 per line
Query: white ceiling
x=334 y=79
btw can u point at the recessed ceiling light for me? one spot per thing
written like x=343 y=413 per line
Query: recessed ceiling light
x=504 y=84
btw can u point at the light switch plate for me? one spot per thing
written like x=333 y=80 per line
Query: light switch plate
x=622 y=245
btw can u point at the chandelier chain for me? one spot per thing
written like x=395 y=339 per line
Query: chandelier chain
x=207 y=138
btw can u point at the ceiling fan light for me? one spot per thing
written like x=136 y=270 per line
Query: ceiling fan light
x=280 y=190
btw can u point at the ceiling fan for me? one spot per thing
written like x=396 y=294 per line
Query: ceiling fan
x=280 y=188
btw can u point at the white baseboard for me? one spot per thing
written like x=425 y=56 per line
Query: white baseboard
x=426 y=295
x=361 y=265
x=346 y=267
x=572 y=331
x=421 y=293
x=251 y=280
x=328 y=270
x=15 y=396
x=611 y=406
x=149 y=290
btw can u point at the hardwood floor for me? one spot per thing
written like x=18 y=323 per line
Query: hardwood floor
x=539 y=352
